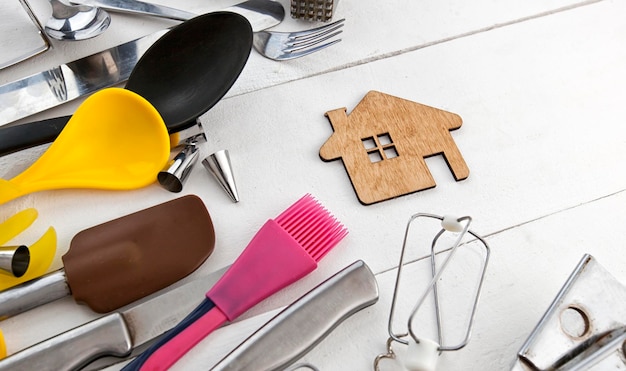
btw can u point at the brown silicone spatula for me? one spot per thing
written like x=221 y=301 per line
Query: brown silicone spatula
x=120 y=261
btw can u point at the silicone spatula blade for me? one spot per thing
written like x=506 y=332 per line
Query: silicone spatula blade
x=118 y=262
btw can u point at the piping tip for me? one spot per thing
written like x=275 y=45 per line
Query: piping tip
x=192 y=135
x=218 y=164
x=178 y=169
x=14 y=260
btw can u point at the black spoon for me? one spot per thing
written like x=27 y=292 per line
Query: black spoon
x=183 y=74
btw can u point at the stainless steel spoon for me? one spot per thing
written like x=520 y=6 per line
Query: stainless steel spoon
x=137 y=7
x=76 y=22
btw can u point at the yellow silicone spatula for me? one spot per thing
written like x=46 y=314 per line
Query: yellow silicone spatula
x=42 y=252
x=3 y=347
x=115 y=140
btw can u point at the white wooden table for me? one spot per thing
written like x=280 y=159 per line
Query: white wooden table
x=540 y=87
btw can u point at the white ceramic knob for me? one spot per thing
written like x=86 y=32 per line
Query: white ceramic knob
x=451 y=224
x=421 y=356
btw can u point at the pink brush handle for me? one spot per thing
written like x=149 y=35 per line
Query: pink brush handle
x=170 y=352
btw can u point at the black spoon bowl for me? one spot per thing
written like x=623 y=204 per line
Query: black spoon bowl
x=183 y=74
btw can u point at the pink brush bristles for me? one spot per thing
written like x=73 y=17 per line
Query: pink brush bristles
x=312 y=226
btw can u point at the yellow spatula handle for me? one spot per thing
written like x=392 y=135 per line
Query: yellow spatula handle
x=3 y=347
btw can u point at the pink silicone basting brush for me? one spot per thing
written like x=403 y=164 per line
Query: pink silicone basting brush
x=283 y=251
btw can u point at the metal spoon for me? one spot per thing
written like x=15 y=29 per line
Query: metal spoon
x=76 y=22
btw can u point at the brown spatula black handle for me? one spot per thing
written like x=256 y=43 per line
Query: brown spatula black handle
x=19 y=137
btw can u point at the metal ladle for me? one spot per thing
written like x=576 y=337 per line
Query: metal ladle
x=76 y=22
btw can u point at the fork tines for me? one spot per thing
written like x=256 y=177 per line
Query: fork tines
x=289 y=45
x=303 y=40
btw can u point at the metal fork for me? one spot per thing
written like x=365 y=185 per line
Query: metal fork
x=282 y=46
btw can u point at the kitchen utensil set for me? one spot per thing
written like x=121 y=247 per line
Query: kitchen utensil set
x=284 y=250
x=96 y=148
x=176 y=86
x=115 y=334
x=75 y=79
x=273 y=45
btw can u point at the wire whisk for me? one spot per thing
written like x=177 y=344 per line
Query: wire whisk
x=422 y=353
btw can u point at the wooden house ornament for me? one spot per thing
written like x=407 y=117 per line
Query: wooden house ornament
x=383 y=143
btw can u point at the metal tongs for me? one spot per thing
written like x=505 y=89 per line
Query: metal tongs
x=584 y=328
x=422 y=353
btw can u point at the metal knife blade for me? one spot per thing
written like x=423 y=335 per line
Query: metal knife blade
x=115 y=334
x=61 y=84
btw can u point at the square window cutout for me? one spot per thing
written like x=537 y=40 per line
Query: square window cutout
x=375 y=156
x=384 y=139
x=369 y=143
x=390 y=152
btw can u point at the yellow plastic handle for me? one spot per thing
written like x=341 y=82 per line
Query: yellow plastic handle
x=3 y=347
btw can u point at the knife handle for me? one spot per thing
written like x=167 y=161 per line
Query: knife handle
x=19 y=137
x=302 y=325
x=33 y=293
x=75 y=348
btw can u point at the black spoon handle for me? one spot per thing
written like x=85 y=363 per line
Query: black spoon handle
x=19 y=137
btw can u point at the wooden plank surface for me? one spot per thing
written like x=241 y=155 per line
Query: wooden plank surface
x=539 y=90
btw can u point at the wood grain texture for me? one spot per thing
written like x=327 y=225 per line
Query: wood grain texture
x=383 y=143
x=546 y=185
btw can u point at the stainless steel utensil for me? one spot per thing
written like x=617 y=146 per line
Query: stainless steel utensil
x=114 y=334
x=584 y=328
x=137 y=7
x=313 y=10
x=218 y=164
x=76 y=22
x=423 y=352
x=14 y=260
x=301 y=326
x=177 y=171
x=67 y=82
x=273 y=45
x=282 y=46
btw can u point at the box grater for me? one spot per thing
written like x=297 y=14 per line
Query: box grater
x=313 y=10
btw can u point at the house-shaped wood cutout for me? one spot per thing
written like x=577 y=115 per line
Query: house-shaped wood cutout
x=383 y=143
